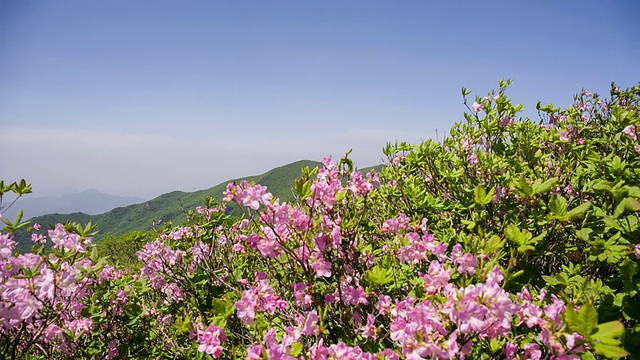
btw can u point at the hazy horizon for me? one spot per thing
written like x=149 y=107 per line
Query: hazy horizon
x=143 y=98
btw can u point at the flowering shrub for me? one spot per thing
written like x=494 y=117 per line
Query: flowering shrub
x=557 y=200
x=482 y=247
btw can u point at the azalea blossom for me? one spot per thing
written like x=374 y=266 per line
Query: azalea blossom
x=477 y=107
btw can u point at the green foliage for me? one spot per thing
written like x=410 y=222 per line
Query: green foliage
x=604 y=338
x=121 y=249
x=563 y=191
x=18 y=188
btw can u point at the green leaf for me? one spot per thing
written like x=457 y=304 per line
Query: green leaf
x=577 y=212
x=632 y=205
x=296 y=349
x=571 y=317
x=495 y=345
x=550 y=280
x=588 y=319
x=379 y=275
x=634 y=191
x=481 y=197
x=601 y=185
x=220 y=321
x=611 y=329
x=545 y=186
x=628 y=270
x=610 y=351
x=18 y=217
x=513 y=233
x=620 y=208
x=220 y=307
x=524 y=187
x=468 y=223
x=303 y=188
x=184 y=325
x=537 y=239
x=584 y=234
x=524 y=248
x=558 y=205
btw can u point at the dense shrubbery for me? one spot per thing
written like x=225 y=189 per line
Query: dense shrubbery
x=512 y=239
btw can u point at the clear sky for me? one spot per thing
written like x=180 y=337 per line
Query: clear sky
x=144 y=97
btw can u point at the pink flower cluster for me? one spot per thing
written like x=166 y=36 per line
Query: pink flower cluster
x=210 y=340
x=259 y=298
x=159 y=259
x=207 y=212
x=360 y=186
x=394 y=224
x=477 y=107
x=43 y=298
x=631 y=131
x=247 y=195
x=68 y=241
x=326 y=185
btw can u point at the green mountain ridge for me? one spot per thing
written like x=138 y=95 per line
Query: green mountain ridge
x=91 y=201
x=171 y=207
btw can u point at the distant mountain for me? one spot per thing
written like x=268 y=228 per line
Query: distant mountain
x=172 y=206
x=91 y=202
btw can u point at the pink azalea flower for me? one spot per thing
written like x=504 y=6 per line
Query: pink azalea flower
x=436 y=278
x=466 y=262
x=467 y=144
x=630 y=131
x=268 y=245
x=564 y=136
x=246 y=306
x=329 y=298
x=210 y=340
x=38 y=239
x=7 y=245
x=532 y=352
x=255 y=352
x=369 y=330
x=384 y=304
x=506 y=121
x=321 y=267
x=354 y=295
x=311 y=327
x=300 y=294
x=472 y=159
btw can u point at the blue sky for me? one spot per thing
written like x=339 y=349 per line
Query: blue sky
x=140 y=98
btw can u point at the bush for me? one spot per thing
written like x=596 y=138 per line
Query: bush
x=512 y=239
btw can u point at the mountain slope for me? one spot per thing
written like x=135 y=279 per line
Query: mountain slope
x=172 y=206
x=168 y=207
x=90 y=202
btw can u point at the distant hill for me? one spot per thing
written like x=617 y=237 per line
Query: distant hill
x=90 y=202
x=172 y=206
